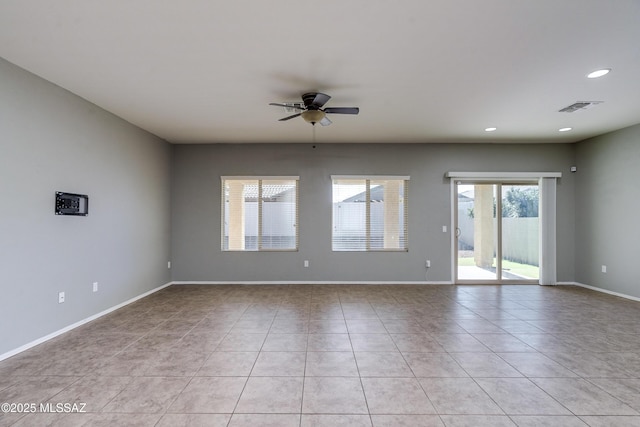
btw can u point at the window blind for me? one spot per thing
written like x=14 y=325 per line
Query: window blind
x=259 y=214
x=370 y=213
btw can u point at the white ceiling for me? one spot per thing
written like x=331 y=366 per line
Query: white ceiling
x=204 y=71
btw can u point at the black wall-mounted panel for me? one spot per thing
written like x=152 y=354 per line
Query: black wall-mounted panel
x=72 y=204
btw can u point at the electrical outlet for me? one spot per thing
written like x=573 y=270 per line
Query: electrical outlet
x=306 y=263
x=95 y=286
x=604 y=268
x=428 y=263
x=60 y=297
x=444 y=228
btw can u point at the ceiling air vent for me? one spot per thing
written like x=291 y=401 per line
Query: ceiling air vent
x=579 y=106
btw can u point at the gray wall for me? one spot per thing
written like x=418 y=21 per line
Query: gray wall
x=196 y=171
x=52 y=140
x=607 y=209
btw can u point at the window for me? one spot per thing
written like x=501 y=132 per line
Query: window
x=259 y=214
x=369 y=213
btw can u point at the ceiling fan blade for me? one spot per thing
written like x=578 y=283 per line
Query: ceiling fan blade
x=287 y=105
x=342 y=110
x=320 y=99
x=325 y=121
x=290 y=117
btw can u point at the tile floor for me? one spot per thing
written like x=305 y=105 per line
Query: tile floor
x=296 y=355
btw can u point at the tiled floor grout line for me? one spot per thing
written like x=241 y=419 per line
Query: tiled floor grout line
x=532 y=382
x=413 y=372
x=226 y=334
x=252 y=367
x=304 y=370
x=366 y=401
x=191 y=377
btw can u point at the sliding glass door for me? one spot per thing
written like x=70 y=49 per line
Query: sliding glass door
x=476 y=232
x=497 y=232
x=520 y=249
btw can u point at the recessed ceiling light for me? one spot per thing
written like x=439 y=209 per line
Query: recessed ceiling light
x=490 y=129
x=598 y=73
x=564 y=129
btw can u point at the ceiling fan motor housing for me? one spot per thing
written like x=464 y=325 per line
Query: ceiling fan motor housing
x=314 y=100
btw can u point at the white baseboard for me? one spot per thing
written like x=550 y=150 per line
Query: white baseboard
x=604 y=291
x=310 y=282
x=79 y=323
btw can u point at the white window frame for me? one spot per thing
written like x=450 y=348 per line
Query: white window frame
x=259 y=179
x=368 y=240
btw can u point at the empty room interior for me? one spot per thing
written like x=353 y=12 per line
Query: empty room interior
x=340 y=214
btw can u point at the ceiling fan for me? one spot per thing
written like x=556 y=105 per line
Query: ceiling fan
x=312 y=111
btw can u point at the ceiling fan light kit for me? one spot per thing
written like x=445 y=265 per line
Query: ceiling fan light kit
x=313 y=116
x=312 y=111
